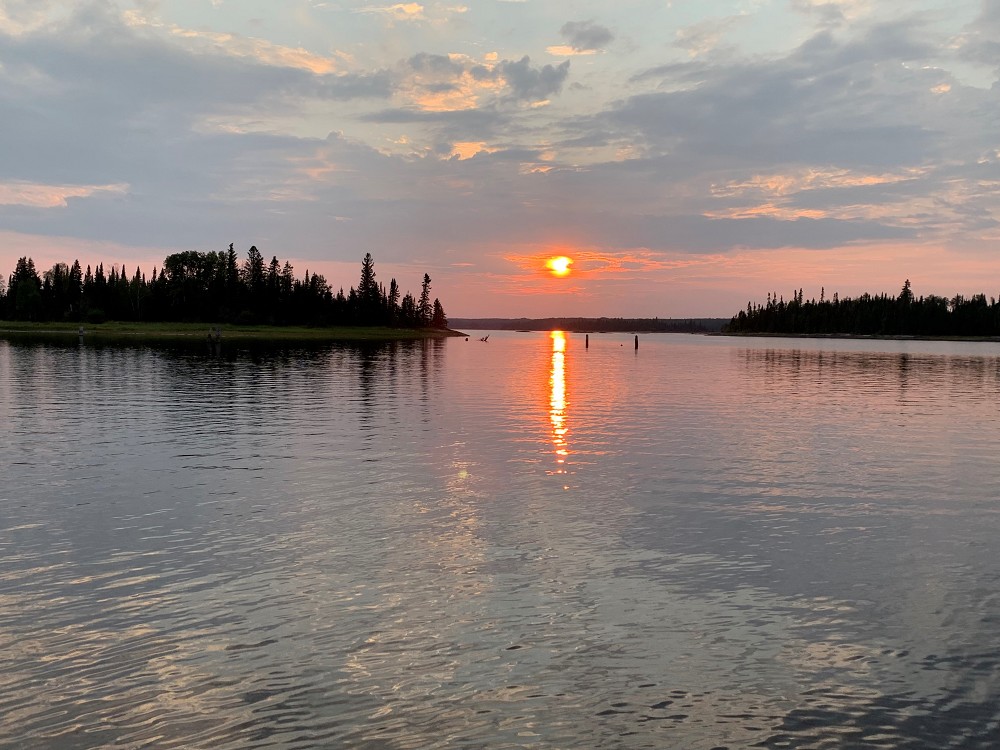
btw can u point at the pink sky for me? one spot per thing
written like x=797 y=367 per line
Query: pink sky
x=688 y=157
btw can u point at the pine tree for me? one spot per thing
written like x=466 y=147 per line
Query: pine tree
x=26 y=290
x=369 y=299
x=253 y=274
x=439 y=319
x=408 y=310
x=287 y=280
x=424 y=310
x=392 y=301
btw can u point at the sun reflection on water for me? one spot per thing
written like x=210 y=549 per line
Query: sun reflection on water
x=557 y=397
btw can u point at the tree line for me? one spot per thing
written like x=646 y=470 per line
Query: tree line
x=874 y=315
x=587 y=325
x=212 y=287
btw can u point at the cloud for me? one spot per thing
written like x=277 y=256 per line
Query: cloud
x=399 y=11
x=532 y=84
x=701 y=38
x=468 y=149
x=148 y=134
x=979 y=41
x=782 y=184
x=262 y=51
x=582 y=38
x=834 y=12
x=412 y=12
x=23 y=16
x=453 y=83
x=824 y=103
x=18 y=193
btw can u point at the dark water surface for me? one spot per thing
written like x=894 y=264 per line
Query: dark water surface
x=711 y=543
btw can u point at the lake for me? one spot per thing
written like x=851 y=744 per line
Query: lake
x=706 y=543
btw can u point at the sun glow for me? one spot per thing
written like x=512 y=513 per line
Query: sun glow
x=559 y=265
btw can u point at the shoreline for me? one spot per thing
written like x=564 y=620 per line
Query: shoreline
x=198 y=332
x=861 y=336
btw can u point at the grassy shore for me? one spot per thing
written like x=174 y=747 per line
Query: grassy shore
x=202 y=331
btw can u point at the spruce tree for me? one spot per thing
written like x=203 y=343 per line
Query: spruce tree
x=439 y=319
x=424 y=310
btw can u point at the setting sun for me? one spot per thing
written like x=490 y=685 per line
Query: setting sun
x=559 y=266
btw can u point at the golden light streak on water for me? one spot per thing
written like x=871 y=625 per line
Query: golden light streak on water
x=557 y=397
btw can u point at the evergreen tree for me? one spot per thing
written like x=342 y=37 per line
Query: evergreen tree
x=26 y=290
x=439 y=319
x=874 y=315
x=273 y=285
x=198 y=286
x=55 y=290
x=75 y=290
x=253 y=274
x=424 y=310
x=233 y=283
x=392 y=302
x=369 y=297
x=287 y=281
x=906 y=294
x=367 y=290
x=232 y=269
x=408 y=311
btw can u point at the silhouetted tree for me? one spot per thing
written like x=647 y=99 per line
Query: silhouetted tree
x=873 y=315
x=408 y=311
x=392 y=302
x=424 y=310
x=439 y=319
x=25 y=288
x=210 y=287
x=253 y=272
x=369 y=304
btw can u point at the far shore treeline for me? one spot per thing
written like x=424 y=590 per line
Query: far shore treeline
x=871 y=315
x=593 y=325
x=212 y=287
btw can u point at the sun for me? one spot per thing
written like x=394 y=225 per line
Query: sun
x=559 y=265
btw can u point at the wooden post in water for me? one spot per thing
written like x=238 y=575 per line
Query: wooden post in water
x=586 y=341
x=637 y=342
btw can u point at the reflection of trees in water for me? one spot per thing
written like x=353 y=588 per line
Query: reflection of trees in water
x=809 y=372
x=393 y=374
x=431 y=359
x=374 y=368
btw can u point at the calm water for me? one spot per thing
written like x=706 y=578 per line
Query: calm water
x=709 y=543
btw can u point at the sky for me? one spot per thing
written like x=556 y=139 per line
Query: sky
x=687 y=156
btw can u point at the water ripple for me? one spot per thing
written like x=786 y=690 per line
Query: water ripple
x=705 y=544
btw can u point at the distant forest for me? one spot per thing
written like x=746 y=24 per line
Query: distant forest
x=212 y=287
x=881 y=315
x=581 y=325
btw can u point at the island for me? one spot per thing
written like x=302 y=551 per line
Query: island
x=214 y=294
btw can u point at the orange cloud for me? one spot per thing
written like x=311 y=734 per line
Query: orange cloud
x=782 y=184
x=263 y=51
x=451 y=88
x=769 y=210
x=468 y=149
x=399 y=11
x=38 y=195
x=564 y=50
